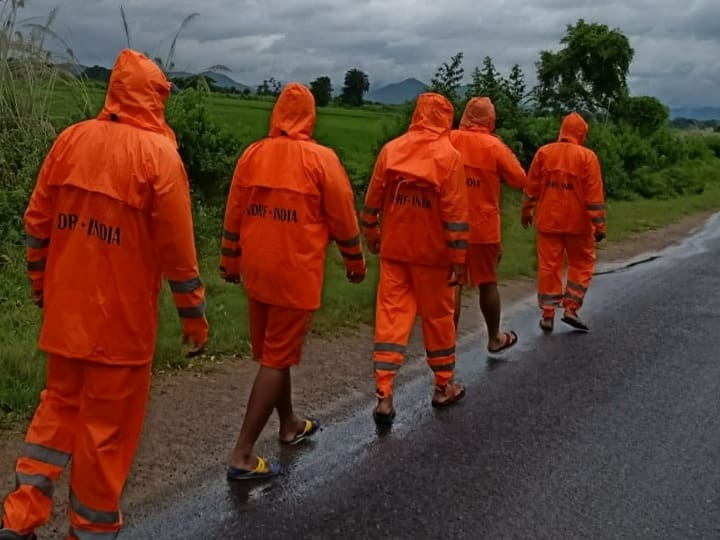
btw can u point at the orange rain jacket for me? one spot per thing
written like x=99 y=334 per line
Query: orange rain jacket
x=110 y=214
x=289 y=197
x=565 y=184
x=487 y=161
x=419 y=187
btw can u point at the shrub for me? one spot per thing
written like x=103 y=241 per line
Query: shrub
x=209 y=151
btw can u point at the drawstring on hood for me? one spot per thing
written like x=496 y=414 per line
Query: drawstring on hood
x=137 y=93
x=574 y=129
x=294 y=113
x=479 y=115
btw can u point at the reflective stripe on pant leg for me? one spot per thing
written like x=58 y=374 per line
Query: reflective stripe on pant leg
x=79 y=534
x=581 y=260
x=112 y=411
x=394 y=318
x=436 y=304
x=48 y=441
x=550 y=251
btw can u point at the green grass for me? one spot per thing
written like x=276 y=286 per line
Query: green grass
x=355 y=135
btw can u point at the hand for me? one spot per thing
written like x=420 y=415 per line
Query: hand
x=456 y=272
x=230 y=278
x=37 y=298
x=374 y=246
x=599 y=236
x=356 y=277
x=527 y=221
x=195 y=332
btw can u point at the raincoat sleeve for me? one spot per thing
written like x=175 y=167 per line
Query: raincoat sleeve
x=172 y=231
x=231 y=251
x=339 y=207
x=374 y=200
x=510 y=169
x=39 y=223
x=595 y=195
x=533 y=186
x=454 y=213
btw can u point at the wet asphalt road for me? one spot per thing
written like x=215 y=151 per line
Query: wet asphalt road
x=612 y=434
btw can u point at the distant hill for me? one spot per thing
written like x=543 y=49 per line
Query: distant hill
x=397 y=93
x=696 y=113
x=223 y=81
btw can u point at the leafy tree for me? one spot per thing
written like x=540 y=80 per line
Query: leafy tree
x=516 y=86
x=448 y=77
x=97 y=73
x=507 y=94
x=646 y=113
x=590 y=71
x=321 y=89
x=269 y=87
x=356 y=86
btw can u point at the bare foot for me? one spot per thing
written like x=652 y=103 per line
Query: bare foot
x=448 y=394
x=292 y=429
x=384 y=406
x=244 y=463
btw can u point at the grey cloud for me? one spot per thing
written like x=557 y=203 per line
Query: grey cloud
x=677 y=45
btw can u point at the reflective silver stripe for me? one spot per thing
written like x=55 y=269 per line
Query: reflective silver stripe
x=387 y=366
x=371 y=211
x=47 y=455
x=368 y=225
x=186 y=286
x=353 y=256
x=598 y=220
x=444 y=367
x=36 y=266
x=37 y=243
x=93 y=516
x=232 y=236
x=389 y=347
x=441 y=353
x=349 y=243
x=457 y=244
x=456 y=227
x=227 y=252
x=93 y=535
x=38 y=481
x=576 y=286
x=596 y=207
x=574 y=298
x=550 y=299
x=192 y=312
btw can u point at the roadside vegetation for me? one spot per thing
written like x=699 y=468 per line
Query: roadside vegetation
x=654 y=174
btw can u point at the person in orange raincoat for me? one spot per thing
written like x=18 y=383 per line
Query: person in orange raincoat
x=487 y=163
x=565 y=194
x=418 y=189
x=289 y=198
x=109 y=217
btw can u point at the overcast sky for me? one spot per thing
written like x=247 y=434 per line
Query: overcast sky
x=677 y=44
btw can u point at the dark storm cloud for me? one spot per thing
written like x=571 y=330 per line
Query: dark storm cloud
x=677 y=45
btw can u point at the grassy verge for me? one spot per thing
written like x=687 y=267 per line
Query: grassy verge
x=22 y=366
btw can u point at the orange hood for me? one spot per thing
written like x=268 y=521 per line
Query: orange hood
x=479 y=115
x=137 y=93
x=433 y=113
x=294 y=113
x=574 y=129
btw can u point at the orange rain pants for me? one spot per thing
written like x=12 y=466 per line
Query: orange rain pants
x=93 y=413
x=277 y=333
x=406 y=290
x=551 y=249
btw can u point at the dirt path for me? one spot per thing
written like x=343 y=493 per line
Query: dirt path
x=195 y=415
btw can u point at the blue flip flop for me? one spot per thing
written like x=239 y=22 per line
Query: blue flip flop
x=312 y=426
x=264 y=469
